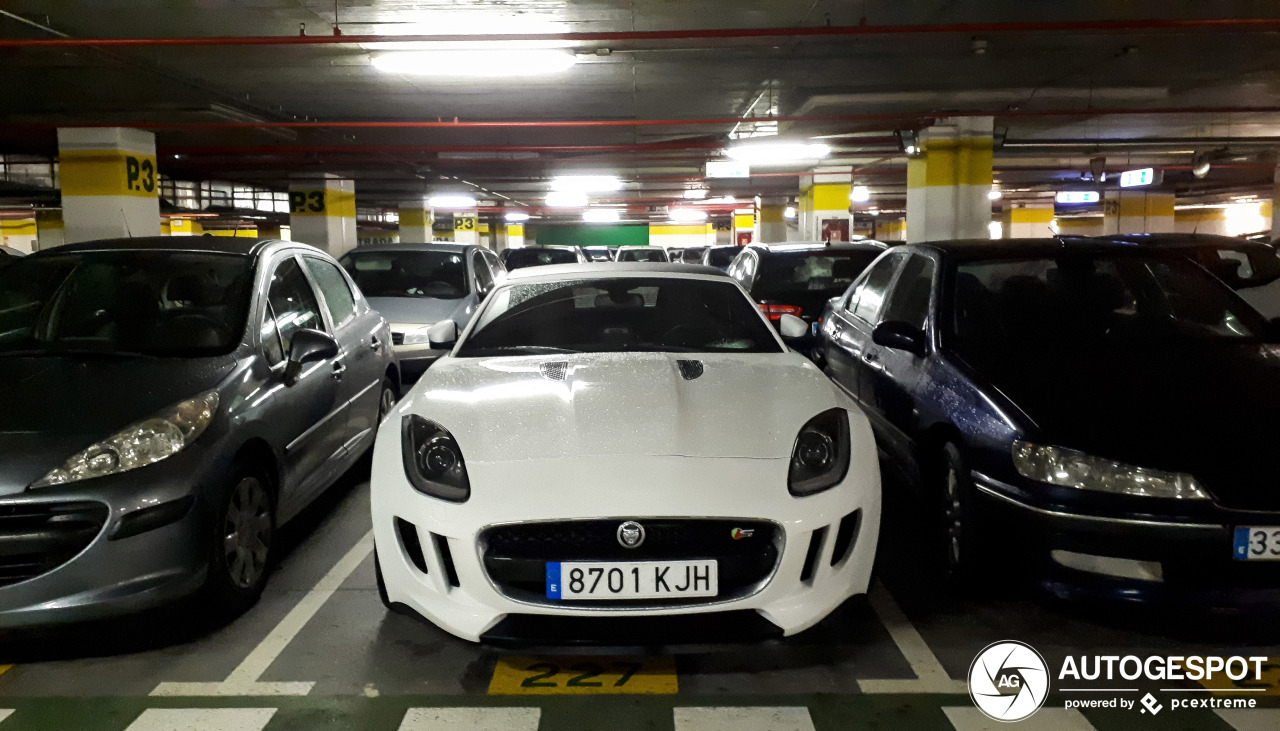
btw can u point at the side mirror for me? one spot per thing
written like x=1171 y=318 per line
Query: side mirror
x=899 y=336
x=792 y=327
x=308 y=345
x=443 y=334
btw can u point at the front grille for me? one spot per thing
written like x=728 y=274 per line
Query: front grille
x=515 y=556
x=397 y=338
x=38 y=537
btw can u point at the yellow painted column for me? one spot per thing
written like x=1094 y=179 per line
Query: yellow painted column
x=1201 y=221
x=1136 y=211
x=415 y=222
x=515 y=235
x=681 y=234
x=1082 y=226
x=49 y=229
x=744 y=225
x=322 y=213
x=828 y=216
x=949 y=181
x=891 y=229
x=19 y=233
x=1032 y=220
x=466 y=227
x=110 y=183
x=269 y=231
x=181 y=227
x=771 y=223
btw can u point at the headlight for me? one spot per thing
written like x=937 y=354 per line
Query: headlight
x=1058 y=466
x=432 y=460
x=140 y=444
x=417 y=336
x=820 y=457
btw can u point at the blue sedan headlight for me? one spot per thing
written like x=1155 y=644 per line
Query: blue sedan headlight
x=1069 y=468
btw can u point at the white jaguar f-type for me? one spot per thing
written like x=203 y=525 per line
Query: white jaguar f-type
x=609 y=442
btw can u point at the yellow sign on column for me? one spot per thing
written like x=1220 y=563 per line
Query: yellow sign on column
x=322 y=202
x=464 y=223
x=108 y=172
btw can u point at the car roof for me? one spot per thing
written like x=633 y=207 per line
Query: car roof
x=612 y=269
x=539 y=247
x=444 y=247
x=976 y=249
x=808 y=248
x=246 y=246
x=1180 y=240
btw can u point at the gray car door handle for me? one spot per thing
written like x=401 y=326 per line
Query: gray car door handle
x=338 y=369
x=376 y=345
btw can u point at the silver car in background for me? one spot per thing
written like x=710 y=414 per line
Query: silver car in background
x=417 y=286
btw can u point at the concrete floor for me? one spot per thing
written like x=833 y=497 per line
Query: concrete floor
x=319 y=652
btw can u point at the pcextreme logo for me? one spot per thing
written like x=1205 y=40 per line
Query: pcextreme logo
x=1008 y=681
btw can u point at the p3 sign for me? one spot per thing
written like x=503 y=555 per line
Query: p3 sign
x=140 y=174
x=306 y=202
x=464 y=223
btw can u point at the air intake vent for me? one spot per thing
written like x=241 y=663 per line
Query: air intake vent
x=690 y=369
x=555 y=370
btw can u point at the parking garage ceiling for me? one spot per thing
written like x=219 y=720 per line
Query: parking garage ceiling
x=257 y=91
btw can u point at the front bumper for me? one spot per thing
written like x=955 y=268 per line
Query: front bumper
x=1188 y=560
x=96 y=576
x=458 y=594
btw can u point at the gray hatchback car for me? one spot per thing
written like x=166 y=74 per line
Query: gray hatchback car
x=166 y=404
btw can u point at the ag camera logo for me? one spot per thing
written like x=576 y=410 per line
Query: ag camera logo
x=1008 y=681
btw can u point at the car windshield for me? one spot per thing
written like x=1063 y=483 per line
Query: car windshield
x=161 y=303
x=723 y=257
x=819 y=273
x=435 y=274
x=1086 y=297
x=617 y=315
x=534 y=257
x=642 y=254
x=692 y=255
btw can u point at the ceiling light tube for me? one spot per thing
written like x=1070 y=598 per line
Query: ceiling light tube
x=451 y=202
x=586 y=183
x=777 y=153
x=687 y=215
x=488 y=63
x=860 y=194
x=516 y=217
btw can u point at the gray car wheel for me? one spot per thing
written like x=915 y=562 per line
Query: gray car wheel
x=386 y=401
x=247 y=527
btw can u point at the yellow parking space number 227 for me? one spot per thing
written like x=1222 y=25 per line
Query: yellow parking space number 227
x=583 y=675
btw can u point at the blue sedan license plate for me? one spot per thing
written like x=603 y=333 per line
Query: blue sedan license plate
x=1256 y=543
x=570 y=580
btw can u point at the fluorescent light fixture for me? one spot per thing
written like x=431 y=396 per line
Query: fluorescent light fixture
x=874 y=211
x=585 y=183
x=995 y=194
x=1134 y=178
x=488 y=63
x=516 y=217
x=695 y=194
x=451 y=202
x=789 y=212
x=860 y=194
x=777 y=153
x=910 y=150
x=600 y=215
x=721 y=201
x=1076 y=196
x=728 y=169
x=566 y=199
x=687 y=215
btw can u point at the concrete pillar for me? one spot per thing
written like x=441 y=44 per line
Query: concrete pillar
x=1136 y=212
x=110 y=183
x=322 y=213
x=1029 y=220
x=823 y=212
x=466 y=227
x=515 y=235
x=771 y=226
x=19 y=233
x=415 y=222
x=891 y=229
x=948 y=182
x=1275 y=209
x=744 y=227
x=49 y=229
x=1200 y=221
x=1085 y=226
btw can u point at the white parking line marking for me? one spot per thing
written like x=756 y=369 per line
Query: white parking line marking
x=471 y=719
x=968 y=718
x=931 y=677
x=5 y=713
x=243 y=681
x=202 y=719
x=1251 y=719
x=744 y=718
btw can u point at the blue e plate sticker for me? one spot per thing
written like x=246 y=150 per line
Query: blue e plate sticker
x=815 y=328
x=1241 y=548
x=553 y=580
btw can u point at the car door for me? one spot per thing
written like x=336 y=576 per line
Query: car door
x=894 y=376
x=850 y=331
x=359 y=344
x=307 y=413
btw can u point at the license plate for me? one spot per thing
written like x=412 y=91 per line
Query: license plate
x=814 y=329
x=631 y=579
x=1257 y=543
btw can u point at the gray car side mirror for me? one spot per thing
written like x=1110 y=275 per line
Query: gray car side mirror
x=306 y=346
x=443 y=334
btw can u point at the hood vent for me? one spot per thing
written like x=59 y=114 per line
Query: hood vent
x=689 y=369
x=555 y=370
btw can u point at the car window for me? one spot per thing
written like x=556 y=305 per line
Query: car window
x=270 y=337
x=532 y=256
x=484 y=278
x=869 y=294
x=337 y=295
x=823 y=274
x=292 y=302
x=1243 y=269
x=719 y=257
x=909 y=300
x=495 y=266
x=641 y=253
x=427 y=274
x=645 y=314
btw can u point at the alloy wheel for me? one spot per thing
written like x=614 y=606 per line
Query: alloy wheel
x=247 y=530
x=386 y=403
x=954 y=518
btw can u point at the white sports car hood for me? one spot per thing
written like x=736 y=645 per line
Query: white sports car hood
x=591 y=404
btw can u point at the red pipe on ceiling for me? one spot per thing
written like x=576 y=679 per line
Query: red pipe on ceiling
x=1146 y=24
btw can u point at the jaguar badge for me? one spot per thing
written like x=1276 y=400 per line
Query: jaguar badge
x=630 y=534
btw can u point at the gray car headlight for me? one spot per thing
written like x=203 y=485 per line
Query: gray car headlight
x=417 y=335
x=140 y=444
x=1066 y=467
